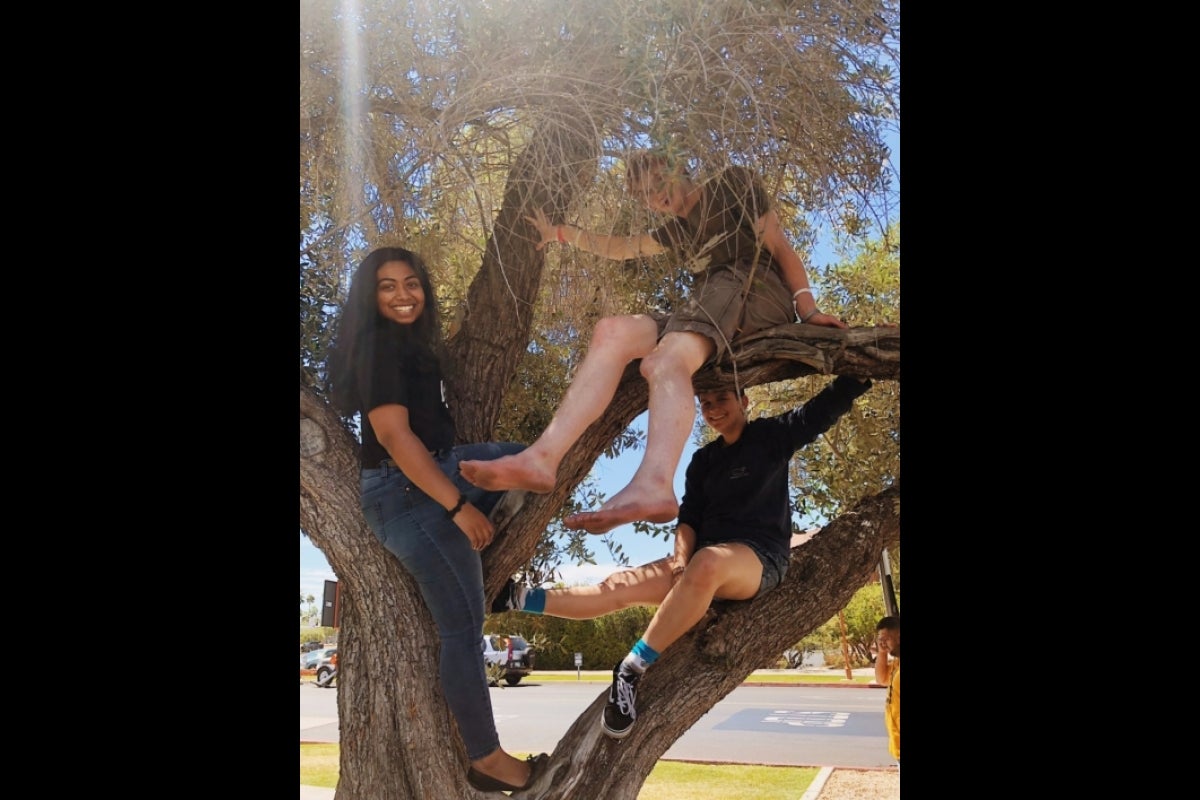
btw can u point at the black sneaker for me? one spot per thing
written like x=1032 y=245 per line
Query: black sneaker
x=506 y=600
x=620 y=712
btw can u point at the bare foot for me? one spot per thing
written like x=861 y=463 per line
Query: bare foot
x=519 y=471
x=624 y=508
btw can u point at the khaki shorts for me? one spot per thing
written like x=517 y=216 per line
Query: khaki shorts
x=723 y=307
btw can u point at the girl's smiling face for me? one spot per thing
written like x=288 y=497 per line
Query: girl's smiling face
x=398 y=293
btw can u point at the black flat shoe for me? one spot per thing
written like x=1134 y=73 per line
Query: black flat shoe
x=486 y=783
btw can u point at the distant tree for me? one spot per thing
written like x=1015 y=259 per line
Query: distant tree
x=308 y=610
x=861 y=614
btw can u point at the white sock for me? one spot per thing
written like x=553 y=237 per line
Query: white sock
x=634 y=663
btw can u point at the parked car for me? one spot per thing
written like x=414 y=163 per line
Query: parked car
x=510 y=653
x=316 y=658
x=327 y=673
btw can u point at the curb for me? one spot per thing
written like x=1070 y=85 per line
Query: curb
x=814 y=789
x=871 y=685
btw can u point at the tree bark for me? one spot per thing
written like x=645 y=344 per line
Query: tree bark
x=485 y=352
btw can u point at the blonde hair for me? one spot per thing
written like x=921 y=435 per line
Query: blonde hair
x=641 y=163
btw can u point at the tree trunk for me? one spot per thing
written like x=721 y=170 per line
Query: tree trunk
x=485 y=352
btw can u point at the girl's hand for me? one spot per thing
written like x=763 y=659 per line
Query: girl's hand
x=547 y=232
x=477 y=527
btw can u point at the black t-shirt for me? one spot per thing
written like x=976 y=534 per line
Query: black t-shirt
x=396 y=376
x=740 y=491
x=719 y=230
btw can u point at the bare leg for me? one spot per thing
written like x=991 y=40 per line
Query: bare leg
x=615 y=342
x=646 y=585
x=650 y=495
x=728 y=571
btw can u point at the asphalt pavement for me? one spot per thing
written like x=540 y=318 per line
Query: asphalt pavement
x=309 y=728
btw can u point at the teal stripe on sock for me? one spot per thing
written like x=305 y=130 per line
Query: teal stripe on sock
x=535 y=601
x=645 y=652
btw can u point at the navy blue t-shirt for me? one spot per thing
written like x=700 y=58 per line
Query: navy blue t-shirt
x=397 y=376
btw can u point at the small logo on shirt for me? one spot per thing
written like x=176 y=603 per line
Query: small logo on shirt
x=739 y=472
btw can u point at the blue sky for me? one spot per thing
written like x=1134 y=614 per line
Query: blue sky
x=611 y=475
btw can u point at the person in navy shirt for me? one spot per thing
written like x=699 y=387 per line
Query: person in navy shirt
x=732 y=540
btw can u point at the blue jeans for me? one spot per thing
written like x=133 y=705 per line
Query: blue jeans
x=432 y=548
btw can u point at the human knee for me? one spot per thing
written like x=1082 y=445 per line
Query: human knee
x=678 y=355
x=619 y=334
x=660 y=364
x=703 y=570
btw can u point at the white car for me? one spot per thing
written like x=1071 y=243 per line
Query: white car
x=510 y=652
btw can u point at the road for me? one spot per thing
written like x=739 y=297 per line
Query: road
x=808 y=726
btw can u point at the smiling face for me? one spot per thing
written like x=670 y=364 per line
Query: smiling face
x=724 y=412
x=399 y=295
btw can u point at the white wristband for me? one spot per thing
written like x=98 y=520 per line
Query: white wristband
x=799 y=292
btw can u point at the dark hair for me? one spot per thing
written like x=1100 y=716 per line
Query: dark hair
x=360 y=322
x=737 y=390
x=891 y=623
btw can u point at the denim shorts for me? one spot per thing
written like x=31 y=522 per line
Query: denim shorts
x=774 y=566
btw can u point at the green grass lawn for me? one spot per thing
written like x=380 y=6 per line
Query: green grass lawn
x=669 y=780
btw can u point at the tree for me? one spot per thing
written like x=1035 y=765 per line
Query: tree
x=860 y=616
x=439 y=126
x=308 y=609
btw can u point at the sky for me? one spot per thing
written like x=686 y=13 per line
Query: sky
x=611 y=476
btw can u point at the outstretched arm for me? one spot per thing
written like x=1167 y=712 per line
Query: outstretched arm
x=617 y=248
x=819 y=414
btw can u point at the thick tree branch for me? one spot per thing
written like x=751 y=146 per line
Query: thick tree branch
x=714 y=658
